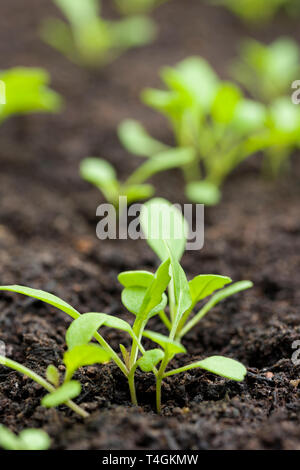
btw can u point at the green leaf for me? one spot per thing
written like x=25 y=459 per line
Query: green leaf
x=79 y=12
x=81 y=331
x=170 y=346
x=219 y=365
x=249 y=116
x=181 y=290
x=136 y=278
x=136 y=139
x=160 y=221
x=150 y=359
x=205 y=284
x=27 y=92
x=173 y=158
x=52 y=375
x=203 y=192
x=226 y=100
x=101 y=174
x=195 y=76
x=229 y=291
x=137 y=192
x=44 y=297
x=8 y=440
x=34 y=439
x=84 y=355
x=66 y=392
x=133 y=32
x=133 y=298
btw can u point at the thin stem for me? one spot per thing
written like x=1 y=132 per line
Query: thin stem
x=176 y=371
x=159 y=379
x=131 y=383
x=41 y=381
x=194 y=320
x=165 y=319
x=113 y=354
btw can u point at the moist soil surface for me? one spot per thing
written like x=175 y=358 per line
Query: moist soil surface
x=48 y=241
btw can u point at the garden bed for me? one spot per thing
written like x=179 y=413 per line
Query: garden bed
x=48 y=241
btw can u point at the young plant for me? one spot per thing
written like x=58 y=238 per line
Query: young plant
x=259 y=68
x=132 y=7
x=26 y=91
x=29 y=439
x=160 y=223
x=144 y=295
x=101 y=174
x=88 y=39
x=207 y=115
x=253 y=11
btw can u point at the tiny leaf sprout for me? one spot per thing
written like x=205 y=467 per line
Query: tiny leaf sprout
x=145 y=296
x=26 y=91
x=207 y=115
x=254 y=11
x=88 y=39
x=29 y=439
x=131 y=7
x=259 y=68
x=102 y=174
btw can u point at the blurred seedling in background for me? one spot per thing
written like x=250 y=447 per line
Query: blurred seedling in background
x=207 y=115
x=29 y=439
x=257 y=12
x=131 y=7
x=26 y=92
x=90 y=40
x=102 y=174
x=144 y=295
x=267 y=71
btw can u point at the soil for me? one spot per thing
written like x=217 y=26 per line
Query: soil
x=48 y=241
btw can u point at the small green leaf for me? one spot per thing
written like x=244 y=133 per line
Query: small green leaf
x=226 y=100
x=133 y=32
x=8 y=440
x=44 y=297
x=52 y=375
x=205 y=284
x=228 y=292
x=223 y=366
x=170 y=346
x=136 y=278
x=101 y=174
x=203 y=192
x=150 y=359
x=84 y=355
x=81 y=331
x=136 y=139
x=160 y=221
x=133 y=298
x=137 y=192
x=34 y=439
x=66 y=392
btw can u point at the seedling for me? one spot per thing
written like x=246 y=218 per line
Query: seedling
x=207 y=115
x=254 y=11
x=131 y=7
x=259 y=68
x=88 y=39
x=102 y=174
x=144 y=295
x=27 y=91
x=29 y=439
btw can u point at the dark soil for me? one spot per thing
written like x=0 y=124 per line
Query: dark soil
x=48 y=241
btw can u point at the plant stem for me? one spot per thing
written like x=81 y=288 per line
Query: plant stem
x=113 y=354
x=159 y=379
x=132 y=386
x=165 y=320
x=41 y=381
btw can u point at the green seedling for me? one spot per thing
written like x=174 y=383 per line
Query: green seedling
x=26 y=91
x=101 y=174
x=29 y=439
x=207 y=115
x=259 y=68
x=254 y=11
x=145 y=296
x=132 y=7
x=88 y=39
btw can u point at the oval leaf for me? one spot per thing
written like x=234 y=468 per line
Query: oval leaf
x=150 y=359
x=205 y=284
x=66 y=392
x=136 y=139
x=135 y=278
x=171 y=347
